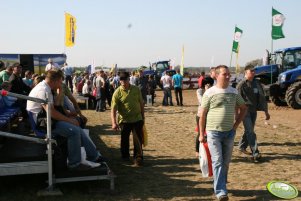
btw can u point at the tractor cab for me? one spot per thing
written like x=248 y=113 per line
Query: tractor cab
x=281 y=77
x=157 y=69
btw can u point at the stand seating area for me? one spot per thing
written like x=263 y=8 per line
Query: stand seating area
x=37 y=154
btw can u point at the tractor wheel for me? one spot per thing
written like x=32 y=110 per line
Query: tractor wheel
x=276 y=96
x=279 y=101
x=293 y=95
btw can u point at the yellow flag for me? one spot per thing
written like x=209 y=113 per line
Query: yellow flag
x=70 y=28
x=182 y=62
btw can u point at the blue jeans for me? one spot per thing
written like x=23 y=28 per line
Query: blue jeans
x=167 y=94
x=221 y=147
x=75 y=139
x=249 y=136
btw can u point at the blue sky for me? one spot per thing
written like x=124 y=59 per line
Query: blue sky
x=159 y=29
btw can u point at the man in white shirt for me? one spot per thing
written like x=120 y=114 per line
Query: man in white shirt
x=133 y=78
x=167 y=83
x=64 y=126
x=51 y=65
x=68 y=71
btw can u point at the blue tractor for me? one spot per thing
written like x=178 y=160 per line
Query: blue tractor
x=281 y=78
x=157 y=69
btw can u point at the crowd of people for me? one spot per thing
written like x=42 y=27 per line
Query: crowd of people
x=221 y=109
x=67 y=119
x=61 y=85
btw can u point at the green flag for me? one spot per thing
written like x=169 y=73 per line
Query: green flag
x=237 y=36
x=277 y=23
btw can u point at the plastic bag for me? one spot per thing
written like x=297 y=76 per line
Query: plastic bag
x=205 y=160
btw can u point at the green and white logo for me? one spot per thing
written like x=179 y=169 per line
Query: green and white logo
x=282 y=190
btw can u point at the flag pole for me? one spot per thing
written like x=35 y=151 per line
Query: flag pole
x=237 y=65
x=271 y=65
x=182 y=62
x=64 y=32
x=231 y=59
x=272 y=46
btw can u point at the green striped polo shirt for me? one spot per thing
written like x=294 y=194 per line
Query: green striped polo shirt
x=221 y=104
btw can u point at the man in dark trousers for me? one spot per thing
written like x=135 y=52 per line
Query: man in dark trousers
x=127 y=100
x=251 y=91
x=177 y=82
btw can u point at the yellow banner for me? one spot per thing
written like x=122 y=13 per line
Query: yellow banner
x=70 y=28
x=182 y=62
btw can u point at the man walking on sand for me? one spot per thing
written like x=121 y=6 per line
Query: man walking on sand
x=128 y=101
x=251 y=91
x=217 y=113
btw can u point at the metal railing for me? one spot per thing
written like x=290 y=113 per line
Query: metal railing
x=47 y=140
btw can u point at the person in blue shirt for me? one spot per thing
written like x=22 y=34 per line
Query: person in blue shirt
x=177 y=82
x=68 y=71
x=27 y=79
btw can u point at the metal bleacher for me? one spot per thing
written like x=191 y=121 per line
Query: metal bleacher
x=22 y=154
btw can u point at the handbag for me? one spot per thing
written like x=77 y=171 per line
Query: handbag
x=94 y=92
x=145 y=136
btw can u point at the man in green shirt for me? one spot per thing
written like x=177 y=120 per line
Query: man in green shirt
x=128 y=101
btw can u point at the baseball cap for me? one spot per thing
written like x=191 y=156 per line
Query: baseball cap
x=124 y=75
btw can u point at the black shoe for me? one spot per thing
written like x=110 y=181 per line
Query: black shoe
x=244 y=151
x=81 y=167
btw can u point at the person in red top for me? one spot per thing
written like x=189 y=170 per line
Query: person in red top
x=200 y=80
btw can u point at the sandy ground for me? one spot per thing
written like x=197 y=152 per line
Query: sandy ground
x=171 y=170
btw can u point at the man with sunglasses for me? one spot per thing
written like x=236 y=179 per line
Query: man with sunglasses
x=252 y=92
